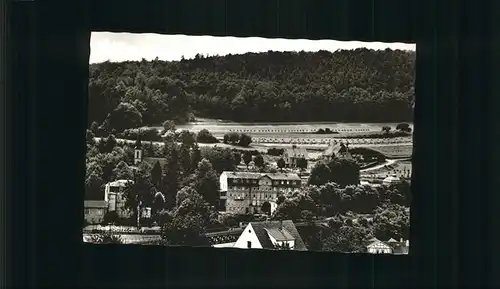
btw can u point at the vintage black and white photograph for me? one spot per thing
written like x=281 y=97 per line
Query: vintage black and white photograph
x=249 y=143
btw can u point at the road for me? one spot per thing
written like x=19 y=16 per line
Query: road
x=387 y=162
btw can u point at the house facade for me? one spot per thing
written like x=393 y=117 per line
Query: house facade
x=291 y=155
x=252 y=193
x=270 y=235
x=114 y=196
x=375 y=246
x=94 y=211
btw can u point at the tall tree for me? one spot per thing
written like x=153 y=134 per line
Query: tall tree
x=207 y=182
x=245 y=140
x=156 y=174
x=122 y=171
x=94 y=184
x=195 y=156
x=187 y=138
x=185 y=159
x=320 y=174
x=344 y=171
x=259 y=161
x=247 y=158
x=281 y=163
x=139 y=193
x=237 y=158
x=170 y=179
x=302 y=164
x=168 y=125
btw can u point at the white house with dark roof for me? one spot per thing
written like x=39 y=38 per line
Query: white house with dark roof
x=375 y=246
x=248 y=192
x=270 y=235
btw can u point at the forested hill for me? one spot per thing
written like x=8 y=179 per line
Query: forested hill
x=349 y=85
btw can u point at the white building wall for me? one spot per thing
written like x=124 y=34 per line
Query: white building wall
x=248 y=235
x=223 y=182
x=290 y=243
x=379 y=248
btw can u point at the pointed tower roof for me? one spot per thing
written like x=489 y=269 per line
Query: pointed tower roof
x=138 y=144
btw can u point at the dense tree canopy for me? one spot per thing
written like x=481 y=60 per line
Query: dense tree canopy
x=271 y=86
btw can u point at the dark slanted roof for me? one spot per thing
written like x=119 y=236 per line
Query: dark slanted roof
x=280 y=234
x=95 y=204
x=262 y=234
x=282 y=176
x=242 y=175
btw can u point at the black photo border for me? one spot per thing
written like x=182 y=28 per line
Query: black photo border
x=49 y=60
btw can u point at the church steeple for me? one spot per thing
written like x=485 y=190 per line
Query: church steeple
x=138 y=149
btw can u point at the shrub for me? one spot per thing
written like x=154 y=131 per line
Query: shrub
x=147 y=134
x=106 y=238
x=204 y=136
x=245 y=140
x=275 y=152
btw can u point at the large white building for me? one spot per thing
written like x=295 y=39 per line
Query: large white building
x=246 y=192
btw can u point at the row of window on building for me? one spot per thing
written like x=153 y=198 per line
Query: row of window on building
x=266 y=196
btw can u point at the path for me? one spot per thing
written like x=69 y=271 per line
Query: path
x=387 y=162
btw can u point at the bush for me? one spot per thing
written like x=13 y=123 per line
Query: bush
x=204 y=136
x=252 y=152
x=275 y=152
x=106 y=238
x=403 y=127
x=111 y=218
x=385 y=134
x=245 y=140
x=147 y=134
x=146 y=222
x=326 y=131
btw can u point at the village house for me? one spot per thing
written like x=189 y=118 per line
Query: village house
x=248 y=192
x=270 y=235
x=375 y=246
x=114 y=197
x=391 y=180
x=94 y=211
x=337 y=149
x=291 y=155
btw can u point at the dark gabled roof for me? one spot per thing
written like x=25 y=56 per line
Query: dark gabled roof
x=282 y=176
x=262 y=234
x=256 y=176
x=280 y=234
x=242 y=175
x=94 y=204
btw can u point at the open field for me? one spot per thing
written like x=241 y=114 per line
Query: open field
x=399 y=168
x=394 y=151
x=296 y=129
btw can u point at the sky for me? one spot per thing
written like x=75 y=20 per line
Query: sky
x=117 y=47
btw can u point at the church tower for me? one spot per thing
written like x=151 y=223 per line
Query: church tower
x=138 y=149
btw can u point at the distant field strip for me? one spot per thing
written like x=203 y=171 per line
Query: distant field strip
x=395 y=151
